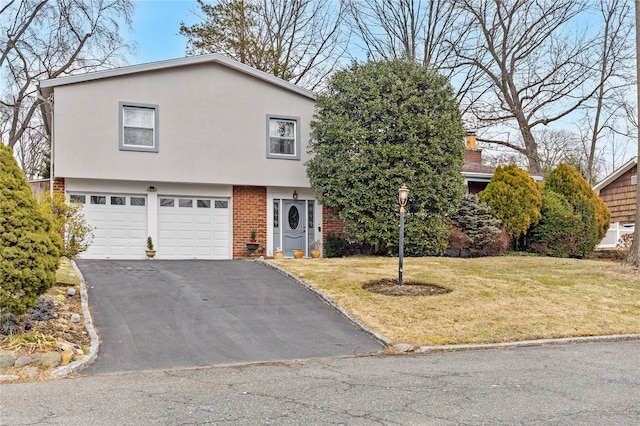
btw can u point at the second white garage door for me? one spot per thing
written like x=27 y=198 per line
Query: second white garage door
x=193 y=228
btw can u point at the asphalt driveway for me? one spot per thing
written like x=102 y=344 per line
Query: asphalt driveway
x=175 y=313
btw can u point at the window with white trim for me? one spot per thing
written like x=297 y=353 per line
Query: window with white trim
x=283 y=137
x=634 y=180
x=138 y=127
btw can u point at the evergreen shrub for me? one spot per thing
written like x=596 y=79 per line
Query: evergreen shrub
x=555 y=233
x=567 y=181
x=29 y=246
x=336 y=245
x=475 y=232
x=514 y=198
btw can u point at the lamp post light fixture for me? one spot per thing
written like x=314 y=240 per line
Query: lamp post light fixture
x=403 y=196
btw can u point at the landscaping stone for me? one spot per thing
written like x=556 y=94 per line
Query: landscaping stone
x=71 y=291
x=404 y=347
x=7 y=359
x=8 y=377
x=75 y=318
x=22 y=361
x=49 y=359
x=66 y=357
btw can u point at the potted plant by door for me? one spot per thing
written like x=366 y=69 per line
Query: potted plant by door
x=315 y=249
x=150 y=250
x=278 y=254
x=253 y=245
x=298 y=253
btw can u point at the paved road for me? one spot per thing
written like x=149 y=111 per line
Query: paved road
x=168 y=314
x=582 y=384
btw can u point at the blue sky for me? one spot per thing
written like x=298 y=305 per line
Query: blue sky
x=156 y=27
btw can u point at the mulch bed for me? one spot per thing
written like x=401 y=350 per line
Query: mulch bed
x=390 y=287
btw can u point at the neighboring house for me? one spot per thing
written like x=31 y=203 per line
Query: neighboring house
x=194 y=152
x=476 y=175
x=619 y=191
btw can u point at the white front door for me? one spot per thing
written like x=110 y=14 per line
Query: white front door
x=193 y=228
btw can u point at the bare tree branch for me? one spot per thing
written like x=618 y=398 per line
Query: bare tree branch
x=538 y=70
x=301 y=41
x=43 y=39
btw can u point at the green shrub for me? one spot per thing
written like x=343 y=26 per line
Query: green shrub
x=514 y=198
x=336 y=245
x=587 y=237
x=555 y=233
x=69 y=221
x=29 y=247
x=567 y=181
x=475 y=231
x=566 y=229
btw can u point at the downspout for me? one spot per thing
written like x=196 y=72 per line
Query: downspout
x=52 y=138
x=48 y=125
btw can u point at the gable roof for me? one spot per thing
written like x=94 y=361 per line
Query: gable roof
x=46 y=86
x=615 y=175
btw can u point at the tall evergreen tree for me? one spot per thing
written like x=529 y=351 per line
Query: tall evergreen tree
x=379 y=125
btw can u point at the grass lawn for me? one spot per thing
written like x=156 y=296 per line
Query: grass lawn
x=66 y=274
x=494 y=299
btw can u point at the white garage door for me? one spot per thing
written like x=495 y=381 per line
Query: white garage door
x=193 y=228
x=119 y=225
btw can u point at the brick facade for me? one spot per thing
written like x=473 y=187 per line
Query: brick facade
x=331 y=224
x=620 y=197
x=249 y=212
x=473 y=156
x=58 y=185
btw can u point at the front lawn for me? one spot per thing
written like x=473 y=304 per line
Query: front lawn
x=494 y=299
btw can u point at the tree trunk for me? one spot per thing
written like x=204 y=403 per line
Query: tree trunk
x=633 y=258
x=531 y=148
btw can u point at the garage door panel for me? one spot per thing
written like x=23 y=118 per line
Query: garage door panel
x=116 y=217
x=139 y=234
x=119 y=230
x=195 y=230
x=205 y=235
x=118 y=234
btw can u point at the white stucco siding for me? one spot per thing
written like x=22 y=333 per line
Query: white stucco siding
x=212 y=128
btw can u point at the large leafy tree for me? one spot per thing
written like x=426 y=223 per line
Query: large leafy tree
x=29 y=247
x=378 y=125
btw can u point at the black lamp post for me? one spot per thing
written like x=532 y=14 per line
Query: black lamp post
x=403 y=196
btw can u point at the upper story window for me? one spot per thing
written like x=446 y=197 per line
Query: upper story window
x=283 y=137
x=138 y=127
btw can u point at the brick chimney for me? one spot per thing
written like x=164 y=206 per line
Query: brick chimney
x=471 y=140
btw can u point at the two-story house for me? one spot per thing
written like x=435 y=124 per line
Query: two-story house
x=195 y=152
